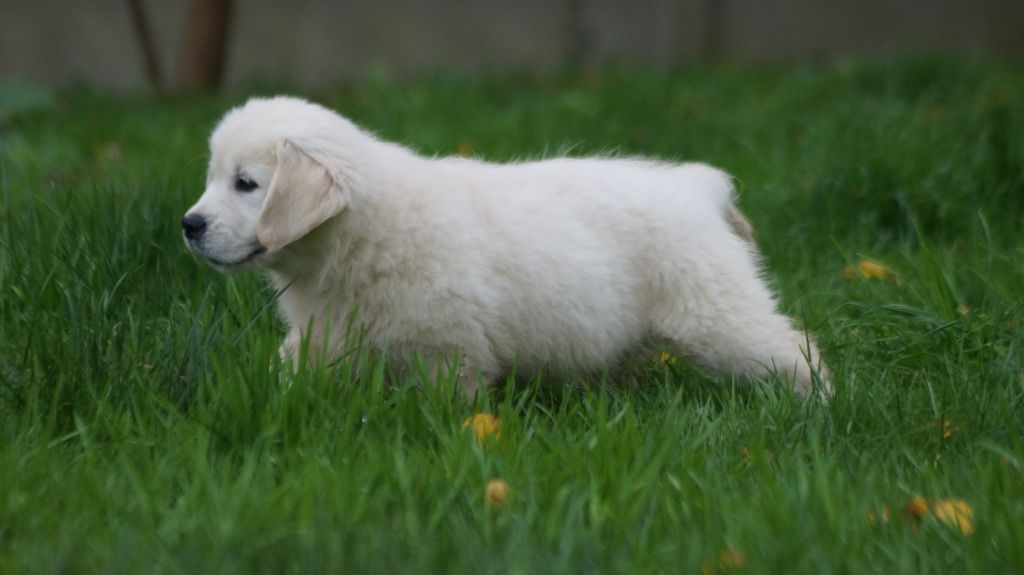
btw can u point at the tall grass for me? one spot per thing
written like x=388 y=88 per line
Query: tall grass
x=145 y=425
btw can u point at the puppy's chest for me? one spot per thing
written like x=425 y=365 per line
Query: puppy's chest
x=387 y=306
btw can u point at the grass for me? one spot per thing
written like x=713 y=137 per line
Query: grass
x=142 y=431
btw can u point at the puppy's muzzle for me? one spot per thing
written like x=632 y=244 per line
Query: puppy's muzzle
x=194 y=226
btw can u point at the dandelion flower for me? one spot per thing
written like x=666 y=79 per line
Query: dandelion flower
x=916 y=506
x=955 y=513
x=952 y=512
x=728 y=560
x=666 y=358
x=948 y=427
x=876 y=518
x=496 y=493
x=872 y=270
x=484 y=426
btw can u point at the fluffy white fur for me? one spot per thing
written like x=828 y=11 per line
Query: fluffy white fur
x=563 y=263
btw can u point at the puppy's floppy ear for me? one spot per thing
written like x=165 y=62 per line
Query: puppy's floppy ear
x=303 y=194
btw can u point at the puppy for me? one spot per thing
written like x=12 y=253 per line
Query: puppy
x=566 y=264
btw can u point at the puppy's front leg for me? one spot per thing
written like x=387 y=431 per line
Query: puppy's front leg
x=291 y=350
x=455 y=364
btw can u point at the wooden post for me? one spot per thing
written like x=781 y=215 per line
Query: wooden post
x=201 y=62
x=145 y=37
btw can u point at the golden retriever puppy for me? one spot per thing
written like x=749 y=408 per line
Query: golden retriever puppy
x=566 y=264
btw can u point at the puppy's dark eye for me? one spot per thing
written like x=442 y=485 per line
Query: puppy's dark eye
x=244 y=184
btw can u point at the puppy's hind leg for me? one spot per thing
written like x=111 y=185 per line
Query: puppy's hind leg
x=720 y=312
x=467 y=373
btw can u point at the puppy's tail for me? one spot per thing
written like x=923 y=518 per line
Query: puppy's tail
x=739 y=223
x=723 y=191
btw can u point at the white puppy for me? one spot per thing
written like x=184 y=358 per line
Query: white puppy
x=563 y=263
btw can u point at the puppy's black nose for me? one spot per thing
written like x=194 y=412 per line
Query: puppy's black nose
x=194 y=226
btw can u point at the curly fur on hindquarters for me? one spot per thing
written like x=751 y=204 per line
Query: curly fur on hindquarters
x=565 y=264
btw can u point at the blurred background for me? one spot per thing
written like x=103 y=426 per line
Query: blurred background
x=131 y=45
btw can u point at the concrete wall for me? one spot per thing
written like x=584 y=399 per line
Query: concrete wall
x=310 y=42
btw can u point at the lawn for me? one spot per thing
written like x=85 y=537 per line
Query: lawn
x=145 y=425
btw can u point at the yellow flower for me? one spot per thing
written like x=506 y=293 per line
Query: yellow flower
x=728 y=560
x=496 y=493
x=963 y=309
x=869 y=270
x=872 y=270
x=666 y=358
x=465 y=149
x=484 y=426
x=874 y=518
x=948 y=427
x=955 y=513
x=916 y=506
x=952 y=512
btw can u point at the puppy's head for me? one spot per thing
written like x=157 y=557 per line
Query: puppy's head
x=279 y=168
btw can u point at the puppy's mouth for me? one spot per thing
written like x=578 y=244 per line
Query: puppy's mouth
x=236 y=263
